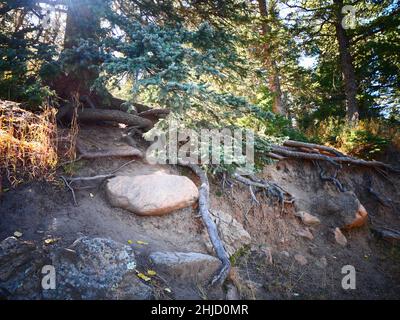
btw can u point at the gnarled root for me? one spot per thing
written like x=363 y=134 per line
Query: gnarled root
x=91 y=115
x=204 y=203
x=309 y=151
x=270 y=189
x=333 y=178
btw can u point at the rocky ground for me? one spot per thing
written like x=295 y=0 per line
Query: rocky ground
x=139 y=235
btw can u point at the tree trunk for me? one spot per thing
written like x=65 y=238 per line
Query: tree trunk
x=82 y=23
x=274 y=84
x=347 y=67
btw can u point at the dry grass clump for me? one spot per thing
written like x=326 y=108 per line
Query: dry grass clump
x=28 y=143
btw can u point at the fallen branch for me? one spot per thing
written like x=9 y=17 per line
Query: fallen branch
x=204 y=203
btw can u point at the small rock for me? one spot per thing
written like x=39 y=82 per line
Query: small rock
x=267 y=253
x=17 y=234
x=153 y=194
x=300 y=259
x=340 y=238
x=285 y=254
x=322 y=263
x=232 y=292
x=307 y=219
x=306 y=233
x=192 y=266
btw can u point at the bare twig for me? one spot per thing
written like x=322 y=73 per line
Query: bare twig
x=68 y=181
x=70 y=188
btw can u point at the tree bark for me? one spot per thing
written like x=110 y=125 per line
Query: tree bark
x=347 y=66
x=83 y=22
x=204 y=203
x=274 y=84
x=92 y=115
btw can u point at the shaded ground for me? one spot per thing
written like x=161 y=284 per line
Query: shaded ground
x=265 y=270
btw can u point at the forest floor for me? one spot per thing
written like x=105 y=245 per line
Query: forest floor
x=266 y=269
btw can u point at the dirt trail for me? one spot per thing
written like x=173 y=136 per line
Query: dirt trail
x=265 y=270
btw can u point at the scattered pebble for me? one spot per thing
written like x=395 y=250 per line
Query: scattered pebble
x=322 y=263
x=300 y=259
x=307 y=219
x=340 y=238
x=17 y=234
x=306 y=233
x=51 y=240
x=285 y=253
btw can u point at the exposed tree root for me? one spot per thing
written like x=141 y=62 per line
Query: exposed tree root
x=128 y=152
x=270 y=189
x=90 y=115
x=204 y=203
x=69 y=181
x=88 y=155
x=154 y=113
x=298 y=144
x=131 y=152
x=333 y=178
x=317 y=153
x=383 y=201
x=313 y=152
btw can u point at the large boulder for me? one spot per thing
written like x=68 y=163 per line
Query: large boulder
x=342 y=209
x=92 y=268
x=153 y=194
x=231 y=232
x=20 y=262
x=186 y=266
x=360 y=218
x=97 y=268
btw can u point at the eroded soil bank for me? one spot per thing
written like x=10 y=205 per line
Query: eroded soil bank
x=286 y=259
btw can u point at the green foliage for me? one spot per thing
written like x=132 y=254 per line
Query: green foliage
x=22 y=54
x=364 y=143
x=367 y=139
x=205 y=61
